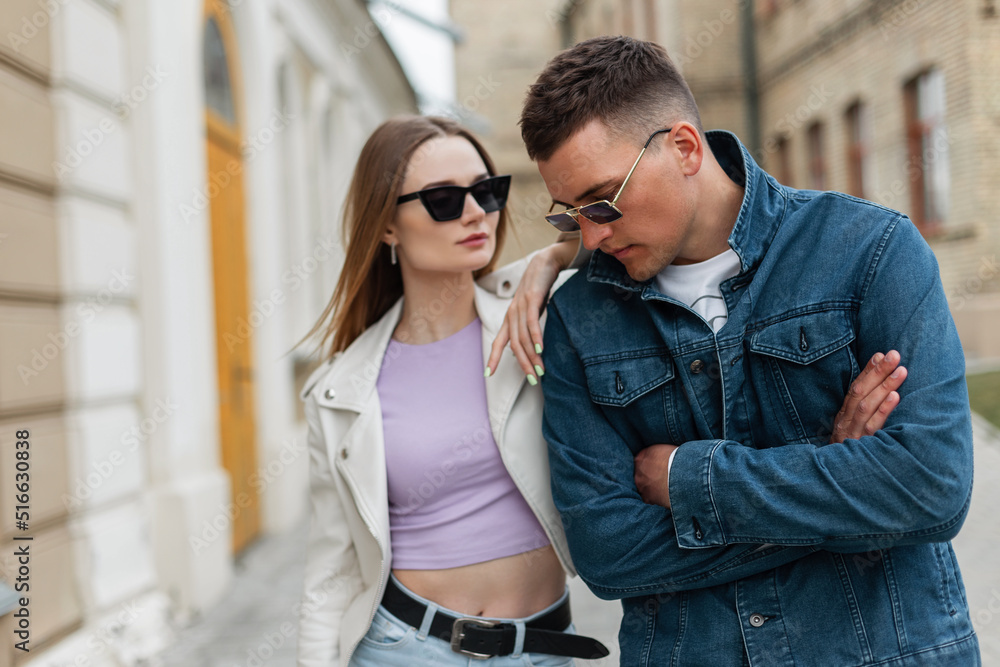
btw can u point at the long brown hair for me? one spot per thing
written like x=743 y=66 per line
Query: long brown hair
x=369 y=283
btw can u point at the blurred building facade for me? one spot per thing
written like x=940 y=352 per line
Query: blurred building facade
x=171 y=175
x=506 y=45
x=892 y=100
x=896 y=101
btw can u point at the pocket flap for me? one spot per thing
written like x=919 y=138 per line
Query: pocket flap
x=620 y=381
x=805 y=338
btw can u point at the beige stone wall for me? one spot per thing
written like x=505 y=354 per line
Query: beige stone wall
x=817 y=58
x=30 y=311
x=495 y=64
x=708 y=52
x=701 y=36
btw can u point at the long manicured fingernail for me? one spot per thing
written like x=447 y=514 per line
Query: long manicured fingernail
x=538 y=348
x=488 y=372
x=539 y=370
x=532 y=381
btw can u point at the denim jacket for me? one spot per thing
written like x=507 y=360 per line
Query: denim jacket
x=779 y=549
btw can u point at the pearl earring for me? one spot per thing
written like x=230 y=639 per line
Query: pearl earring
x=392 y=252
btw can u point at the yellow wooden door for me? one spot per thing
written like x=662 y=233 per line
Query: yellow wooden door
x=234 y=325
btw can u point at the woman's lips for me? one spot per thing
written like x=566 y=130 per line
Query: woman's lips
x=474 y=240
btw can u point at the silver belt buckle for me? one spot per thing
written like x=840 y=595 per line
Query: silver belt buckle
x=458 y=634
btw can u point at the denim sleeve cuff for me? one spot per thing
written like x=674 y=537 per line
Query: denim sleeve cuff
x=692 y=507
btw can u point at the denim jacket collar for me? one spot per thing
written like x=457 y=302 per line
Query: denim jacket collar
x=752 y=231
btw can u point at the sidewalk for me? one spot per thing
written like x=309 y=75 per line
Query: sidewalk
x=978 y=544
x=254 y=626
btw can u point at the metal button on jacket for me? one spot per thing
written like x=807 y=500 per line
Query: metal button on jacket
x=329 y=393
x=697 y=365
x=757 y=620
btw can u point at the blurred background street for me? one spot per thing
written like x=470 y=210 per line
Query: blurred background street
x=171 y=181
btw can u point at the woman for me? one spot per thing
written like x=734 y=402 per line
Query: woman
x=439 y=505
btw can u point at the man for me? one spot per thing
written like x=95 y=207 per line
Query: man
x=692 y=367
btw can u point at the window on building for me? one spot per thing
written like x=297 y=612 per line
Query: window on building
x=928 y=145
x=859 y=168
x=817 y=157
x=218 y=91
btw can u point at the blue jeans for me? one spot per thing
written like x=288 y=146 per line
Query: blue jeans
x=392 y=643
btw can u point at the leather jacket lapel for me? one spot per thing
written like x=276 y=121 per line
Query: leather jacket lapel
x=504 y=384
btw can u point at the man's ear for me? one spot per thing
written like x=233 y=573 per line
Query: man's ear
x=690 y=147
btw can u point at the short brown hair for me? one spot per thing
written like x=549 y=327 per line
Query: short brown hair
x=630 y=85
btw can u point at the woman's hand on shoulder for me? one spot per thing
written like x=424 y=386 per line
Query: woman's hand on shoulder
x=521 y=326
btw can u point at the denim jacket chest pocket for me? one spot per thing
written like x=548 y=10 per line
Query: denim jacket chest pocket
x=799 y=371
x=636 y=393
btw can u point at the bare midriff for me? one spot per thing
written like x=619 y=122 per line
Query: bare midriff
x=510 y=587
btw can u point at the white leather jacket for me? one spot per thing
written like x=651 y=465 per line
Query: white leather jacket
x=348 y=556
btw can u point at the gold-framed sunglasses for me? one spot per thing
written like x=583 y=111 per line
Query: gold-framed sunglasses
x=600 y=212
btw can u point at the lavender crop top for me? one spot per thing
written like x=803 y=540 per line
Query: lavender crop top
x=451 y=499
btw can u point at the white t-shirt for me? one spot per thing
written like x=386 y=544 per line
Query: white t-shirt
x=697 y=286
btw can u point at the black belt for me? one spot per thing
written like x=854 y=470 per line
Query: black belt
x=482 y=638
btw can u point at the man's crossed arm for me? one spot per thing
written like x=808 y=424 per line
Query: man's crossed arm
x=869 y=402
